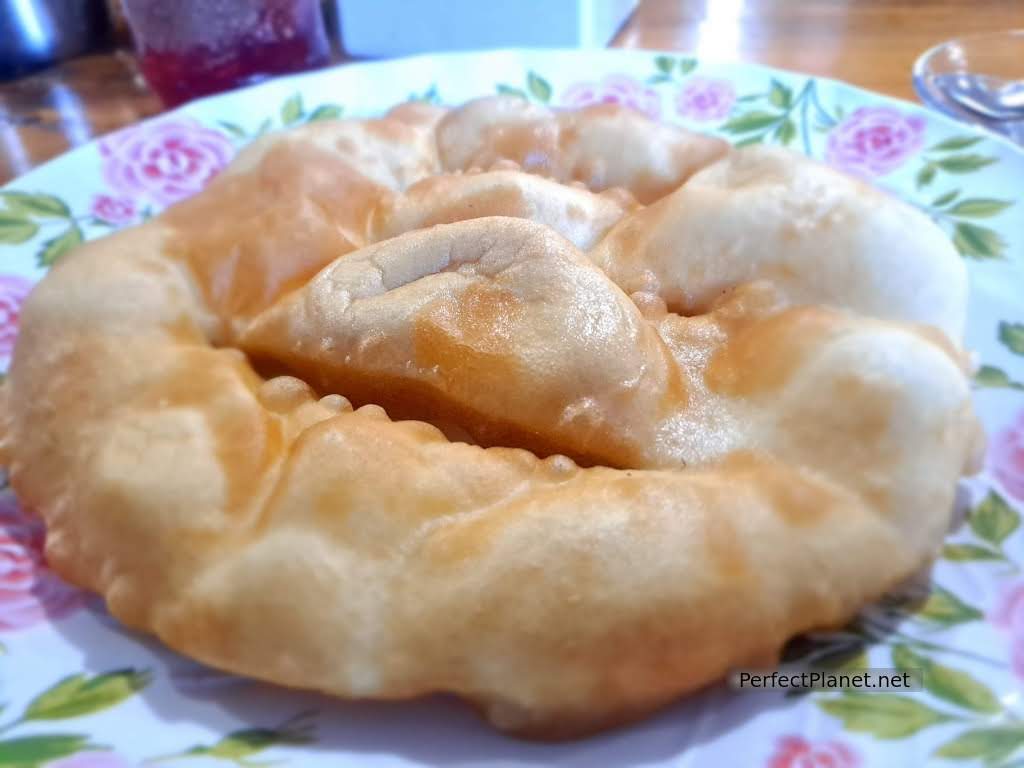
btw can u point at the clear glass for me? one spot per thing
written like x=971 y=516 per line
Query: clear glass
x=190 y=48
x=978 y=79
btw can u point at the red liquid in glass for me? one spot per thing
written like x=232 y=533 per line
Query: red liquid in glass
x=178 y=77
x=283 y=37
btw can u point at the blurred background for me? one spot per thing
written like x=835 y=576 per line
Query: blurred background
x=71 y=70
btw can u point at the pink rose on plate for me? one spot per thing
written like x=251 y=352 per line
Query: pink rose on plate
x=798 y=752
x=1008 y=615
x=705 y=99
x=92 y=760
x=29 y=591
x=13 y=290
x=874 y=141
x=1006 y=457
x=165 y=161
x=615 y=89
x=113 y=210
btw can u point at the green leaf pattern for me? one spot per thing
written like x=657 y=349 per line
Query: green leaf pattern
x=785 y=116
x=972 y=240
x=38 y=205
x=963 y=163
x=946 y=609
x=990 y=745
x=1012 y=336
x=73 y=697
x=508 y=90
x=56 y=247
x=990 y=523
x=965 y=552
x=883 y=715
x=32 y=751
x=956 y=143
x=26 y=214
x=240 y=746
x=978 y=242
x=325 y=112
x=16 y=228
x=951 y=685
x=980 y=207
x=991 y=376
x=949 y=180
x=537 y=89
x=291 y=110
x=81 y=695
x=669 y=69
x=993 y=520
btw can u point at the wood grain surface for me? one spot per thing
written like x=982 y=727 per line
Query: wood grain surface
x=870 y=43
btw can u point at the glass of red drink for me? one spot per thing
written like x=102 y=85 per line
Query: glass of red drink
x=191 y=48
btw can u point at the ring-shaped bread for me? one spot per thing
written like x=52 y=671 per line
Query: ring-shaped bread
x=728 y=417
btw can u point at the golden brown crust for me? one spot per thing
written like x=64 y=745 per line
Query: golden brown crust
x=781 y=459
x=601 y=146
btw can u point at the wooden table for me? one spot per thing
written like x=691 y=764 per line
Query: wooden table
x=871 y=43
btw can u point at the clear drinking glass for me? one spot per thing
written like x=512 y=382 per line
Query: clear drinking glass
x=978 y=79
x=190 y=48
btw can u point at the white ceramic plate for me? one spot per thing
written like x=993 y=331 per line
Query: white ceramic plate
x=79 y=692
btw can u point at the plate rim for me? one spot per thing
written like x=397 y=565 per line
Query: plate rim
x=276 y=81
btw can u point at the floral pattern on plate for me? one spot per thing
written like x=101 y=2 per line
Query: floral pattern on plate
x=165 y=160
x=79 y=691
x=30 y=593
x=614 y=89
